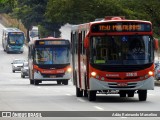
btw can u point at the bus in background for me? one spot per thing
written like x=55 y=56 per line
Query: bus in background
x=49 y=60
x=113 y=55
x=13 y=40
x=33 y=33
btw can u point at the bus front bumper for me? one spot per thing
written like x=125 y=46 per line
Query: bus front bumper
x=15 y=49
x=38 y=76
x=51 y=79
x=147 y=84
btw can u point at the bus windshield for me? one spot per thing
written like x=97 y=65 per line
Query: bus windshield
x=51 y=55
x=33 y=33
x=121 y=50
x=16 y=39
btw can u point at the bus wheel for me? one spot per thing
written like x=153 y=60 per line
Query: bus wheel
x=58 y=82
x=79 y=93
x=7 y=51
x=92 y=95
x=31 y=81
x=142 y=94
x=85 y=93
x=22 y=76
x=65 y=82
x=36 y=82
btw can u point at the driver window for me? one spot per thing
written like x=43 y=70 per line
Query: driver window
x=137 y=46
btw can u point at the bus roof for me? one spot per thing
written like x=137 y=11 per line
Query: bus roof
x=51 y=38
x=34 y=28
x=106 y=19
x=12 y=30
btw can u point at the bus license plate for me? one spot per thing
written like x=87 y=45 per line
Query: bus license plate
x=122 y=84
x=52 y=76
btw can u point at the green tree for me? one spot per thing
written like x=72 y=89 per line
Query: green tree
x=6 y=6
x=81 y=11
x=51 y=14
x=30 y=12
x=145 y=10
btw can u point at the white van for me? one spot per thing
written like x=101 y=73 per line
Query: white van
x=33 y=33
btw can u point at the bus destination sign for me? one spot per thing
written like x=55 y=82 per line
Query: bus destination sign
x=52 y=42
x=14 y=33
x=121 y=27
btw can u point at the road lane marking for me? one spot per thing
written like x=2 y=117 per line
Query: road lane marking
x=68 y=94
x=99 y=108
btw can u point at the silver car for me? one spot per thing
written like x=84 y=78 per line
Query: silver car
x=24 y=70
x=17 y=65
x=157 y=73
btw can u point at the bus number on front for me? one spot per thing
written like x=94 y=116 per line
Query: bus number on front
x=131 y=74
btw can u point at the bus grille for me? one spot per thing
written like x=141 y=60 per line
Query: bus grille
x=115 y=85
x=127 y=78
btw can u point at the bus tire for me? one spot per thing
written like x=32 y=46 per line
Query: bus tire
x=142 y=94
x=79 y=93
x=58 y=82
x=85 y=93
x=22 y=76
x=31 y=81
x=36 y=82
x=92 y=95
x=65 y=82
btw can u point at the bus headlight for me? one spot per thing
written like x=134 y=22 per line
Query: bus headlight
x=93 y=74
x=150 y=73
x=9 y=46
x=69 y=69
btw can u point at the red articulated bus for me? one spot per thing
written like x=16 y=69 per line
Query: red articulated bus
x=49 y=60
x=113 y=55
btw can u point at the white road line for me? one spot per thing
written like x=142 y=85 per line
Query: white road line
x=81 y=100
x=68 y=94
x=99 y=108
